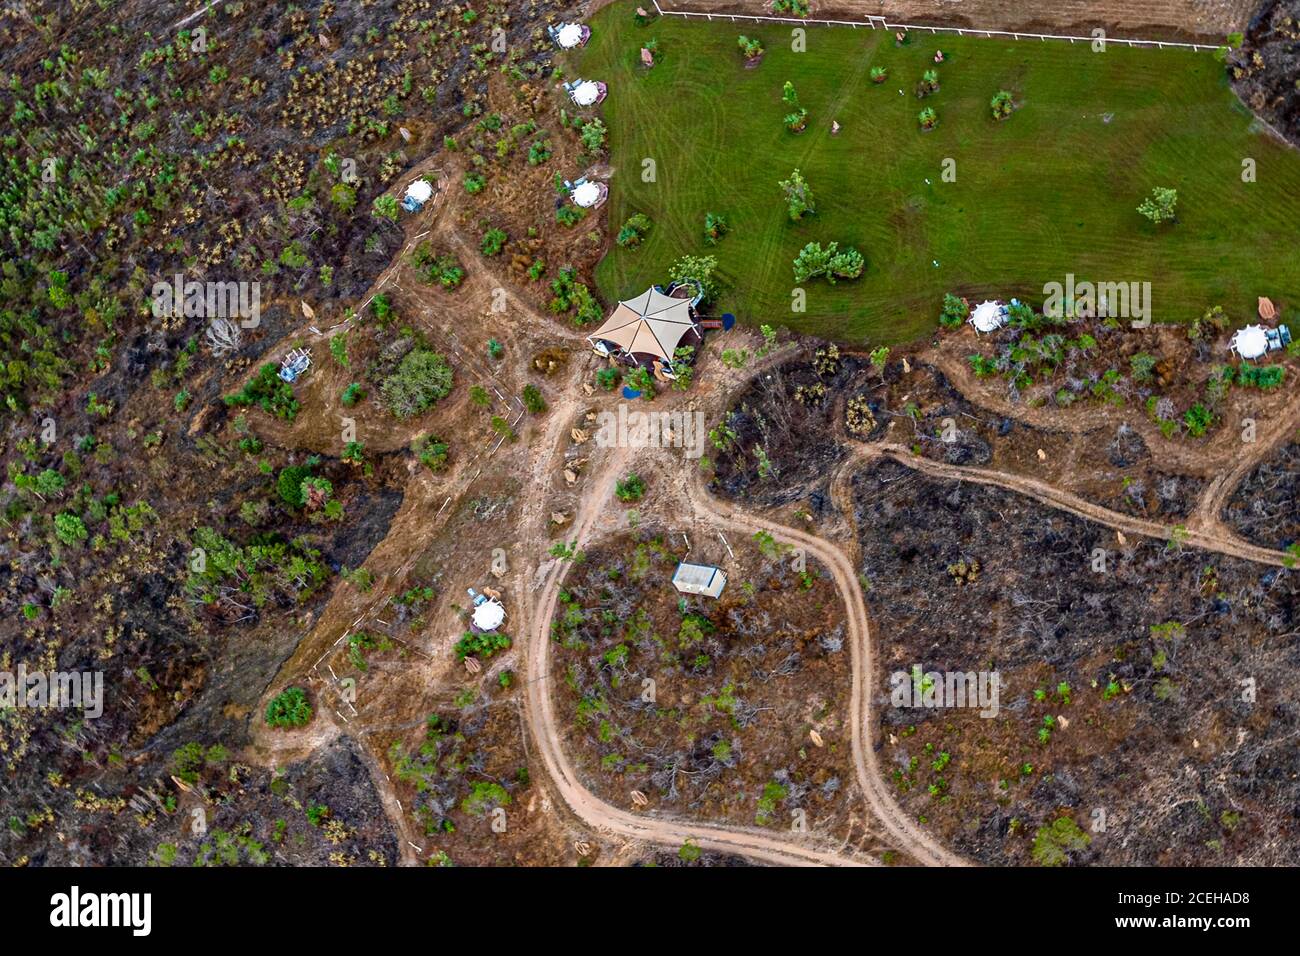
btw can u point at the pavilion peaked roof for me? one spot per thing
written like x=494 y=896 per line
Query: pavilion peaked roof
x=650 y=324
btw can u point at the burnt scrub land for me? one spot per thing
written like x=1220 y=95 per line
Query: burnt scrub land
x=1265 y=508
x=217 y=811
x=1147 y=692
x=1265 y=66
x=172 y=515
x=730 y=710
x=463 y=779
x=785 y=436
x=778 y=443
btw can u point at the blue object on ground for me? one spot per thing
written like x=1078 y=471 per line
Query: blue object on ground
x=728 y=320
x=630 y=392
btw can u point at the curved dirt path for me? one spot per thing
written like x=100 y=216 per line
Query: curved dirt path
x=910 y=837
x=540 y=708
x=899 y=825
x=1201 y=538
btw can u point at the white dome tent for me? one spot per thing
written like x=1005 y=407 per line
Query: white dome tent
x=1250 y=342
x=988 y=317
x=588 y=195
x=570 y=35
x=587 y=92
x=489 y=615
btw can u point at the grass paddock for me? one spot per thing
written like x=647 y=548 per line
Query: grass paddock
x=1050 y=191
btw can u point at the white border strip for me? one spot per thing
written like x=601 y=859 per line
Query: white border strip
x=871 y=23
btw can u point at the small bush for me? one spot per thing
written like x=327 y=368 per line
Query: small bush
x=269 y=392
x=431 y=451
x=289 y=708
x=533 y=400
x=422 y=379
x=629 y=489
x=634 y=230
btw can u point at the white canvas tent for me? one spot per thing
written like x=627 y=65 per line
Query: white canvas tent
x=651 y=324
x=587 y=93
x=1250 y=342
x=417 y=194
x=988 y=317
x=489 y=615
x=570 y=35
x=587 y=195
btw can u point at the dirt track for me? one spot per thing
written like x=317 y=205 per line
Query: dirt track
x=543 y=580
x=921 y=845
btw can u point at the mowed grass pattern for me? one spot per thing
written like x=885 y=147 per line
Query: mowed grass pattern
x=1050 y=191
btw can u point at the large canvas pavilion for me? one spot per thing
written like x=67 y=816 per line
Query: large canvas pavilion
x=650 y=326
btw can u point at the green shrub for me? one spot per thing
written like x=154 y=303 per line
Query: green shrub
x=494 y=240
x=954 y=311
x=634 y=230
x=69 y=528
x=421 y=379
x=289 y=484
x=289 y=708
x=533 y=400
x=629 y=489
x=443 y=269
x=1159 y=206
x=431 y=451
x=814 y=261
x=269 y=392
x=485 y=644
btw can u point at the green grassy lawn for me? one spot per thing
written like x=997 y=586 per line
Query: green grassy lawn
x=1050 y=191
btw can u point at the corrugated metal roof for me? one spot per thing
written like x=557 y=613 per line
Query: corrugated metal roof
x=694 y=575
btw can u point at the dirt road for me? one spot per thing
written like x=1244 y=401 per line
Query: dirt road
x=757 y=844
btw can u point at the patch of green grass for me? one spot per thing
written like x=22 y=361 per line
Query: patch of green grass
x=1053 y=189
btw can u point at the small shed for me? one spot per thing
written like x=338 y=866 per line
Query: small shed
x=702 y=579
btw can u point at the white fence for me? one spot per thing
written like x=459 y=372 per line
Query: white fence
x=879 y=23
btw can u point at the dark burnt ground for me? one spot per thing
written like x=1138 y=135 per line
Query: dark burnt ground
x=788 y=415
x=687 y=858
x=463 y=781
x=1148 y=726
x=738 y=684
x=805 y=415
x=1265 y=507
x=1265 y=68
x=319 y=811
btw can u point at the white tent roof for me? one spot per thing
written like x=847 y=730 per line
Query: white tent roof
x=987 y=317
x=1250 y=342
x=420 y=190
x=489 y=615
x=650 y=324
x=587 y=195
x=570 y=35
x=586 y=93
